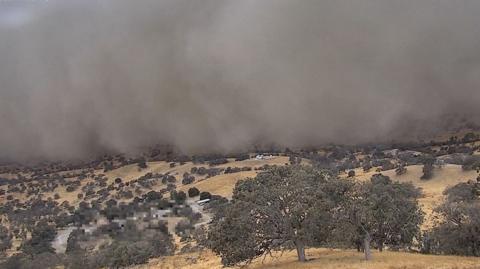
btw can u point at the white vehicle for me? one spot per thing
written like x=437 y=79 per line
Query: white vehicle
x=202 y=202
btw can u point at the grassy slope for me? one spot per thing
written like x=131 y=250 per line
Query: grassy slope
x=433 y=188
x=449 y=175
x=321 y=258
x=224 y=184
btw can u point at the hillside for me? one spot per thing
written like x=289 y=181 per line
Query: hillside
x=321 y=258
x=130 y=184
x=223 y=184
x=182 y=134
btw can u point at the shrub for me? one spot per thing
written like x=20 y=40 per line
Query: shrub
x=5 y=239
x=178 y=197
x=142 y=163
x=401 y=169
x=40 y=261
x=427 y=171
x=153 y=196
x=124 y=253
x=387 y=165
x=218 y=161
x=133 y=247
x=192 y=192
x=457 y=231
x=428 y=167
x=367 y=166
x=71 y=188
x=187 y=179
x=168 y=179
x=184 y=228
x=242 y=157
x=471 y=163
x=470 y=137
x=205 y=195
x=40 y=242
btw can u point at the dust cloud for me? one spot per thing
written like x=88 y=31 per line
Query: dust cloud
x=83 y=77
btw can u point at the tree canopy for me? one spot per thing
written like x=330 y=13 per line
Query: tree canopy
x=458 y=229
x=384 y=213
x=282 y=208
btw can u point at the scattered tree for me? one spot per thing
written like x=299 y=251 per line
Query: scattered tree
x=142 y=163
x=282 y=208
x=428 y=167
x=42 y=236
x=5 y=239
x=457 y=230
x=192 y=192
x=383 y=212
x=205 y=195
x=401 y=169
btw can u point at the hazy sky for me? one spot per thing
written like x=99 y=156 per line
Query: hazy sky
x=80 y=77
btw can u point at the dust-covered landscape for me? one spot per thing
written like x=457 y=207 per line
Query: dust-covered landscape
x=243 y=134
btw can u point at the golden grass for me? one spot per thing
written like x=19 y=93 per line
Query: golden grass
x=132 y=171
x=444 y=177
x=321 y=258
x=221 y=185
x=275 y=160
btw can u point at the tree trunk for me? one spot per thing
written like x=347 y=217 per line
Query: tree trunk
x=300 y=251
x=380 y=246
x=366 y=247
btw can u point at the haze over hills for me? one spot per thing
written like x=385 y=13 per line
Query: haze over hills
x=80 y=78
x=66 y=193
x=239 y=133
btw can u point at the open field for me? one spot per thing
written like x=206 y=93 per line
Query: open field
x=223 y=184
x=322 y=258
x=432 y=189
x=448 y=175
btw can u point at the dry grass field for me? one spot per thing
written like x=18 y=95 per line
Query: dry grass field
x=321 y=258
x=223 y=184
x=448 y=175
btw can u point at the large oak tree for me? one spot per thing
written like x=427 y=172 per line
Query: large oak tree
x=282 y=208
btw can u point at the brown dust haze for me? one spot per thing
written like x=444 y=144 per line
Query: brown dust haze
x=83 y=77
